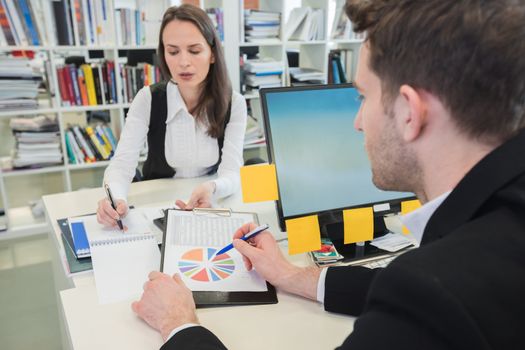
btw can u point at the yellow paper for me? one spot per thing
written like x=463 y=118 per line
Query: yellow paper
x=259 y=183
x=407 y=207
x=358 y=225
x=303 y=234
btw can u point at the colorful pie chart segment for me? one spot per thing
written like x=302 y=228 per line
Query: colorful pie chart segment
x=201 y=265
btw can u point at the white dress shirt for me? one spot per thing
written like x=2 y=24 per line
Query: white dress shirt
x=188 y=148
x=415 y=221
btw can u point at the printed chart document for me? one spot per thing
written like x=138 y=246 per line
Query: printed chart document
x=191 y=242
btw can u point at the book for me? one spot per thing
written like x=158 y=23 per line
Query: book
x=191 y=239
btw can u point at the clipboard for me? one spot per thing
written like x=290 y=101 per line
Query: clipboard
x=204 y=299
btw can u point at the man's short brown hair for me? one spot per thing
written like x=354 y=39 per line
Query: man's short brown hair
x=469 y=53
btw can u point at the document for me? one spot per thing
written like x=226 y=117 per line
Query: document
x=191 y=241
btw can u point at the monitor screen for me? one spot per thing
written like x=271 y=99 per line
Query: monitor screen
x=320 y=158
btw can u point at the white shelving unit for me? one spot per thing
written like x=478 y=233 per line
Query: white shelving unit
x=19 y=186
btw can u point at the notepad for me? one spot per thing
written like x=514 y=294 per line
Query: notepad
x=85 y=230
x=121 y=260
x=121 y=266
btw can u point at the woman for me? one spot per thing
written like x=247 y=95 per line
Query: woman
x=194 y=122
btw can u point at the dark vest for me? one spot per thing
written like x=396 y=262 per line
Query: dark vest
x=156 y=166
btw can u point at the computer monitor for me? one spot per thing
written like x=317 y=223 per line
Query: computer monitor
x=321 y=163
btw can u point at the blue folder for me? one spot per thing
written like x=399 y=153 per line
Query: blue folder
x=80 y=241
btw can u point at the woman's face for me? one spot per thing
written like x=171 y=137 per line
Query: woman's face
x=187 y=54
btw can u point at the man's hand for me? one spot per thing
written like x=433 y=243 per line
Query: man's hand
x=200 y=197
x=264 y=255
x=108 y=216
x=166 y=303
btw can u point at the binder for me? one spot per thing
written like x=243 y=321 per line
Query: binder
x=210 y=298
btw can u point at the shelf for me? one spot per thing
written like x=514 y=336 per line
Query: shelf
x=99 y=164
x=25 y=48
x=347 y=41
x=138 y=47
x=90 y=108
x=270 y=43
x=82 y=47
x=257 y=145
x=22 y=172
x=22 y=223
x=301 y=42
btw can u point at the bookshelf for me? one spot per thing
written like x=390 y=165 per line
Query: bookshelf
x=18 y=187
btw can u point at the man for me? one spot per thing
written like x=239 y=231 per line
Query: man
x=443 y=111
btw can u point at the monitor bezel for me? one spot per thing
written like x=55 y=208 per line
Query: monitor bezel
x=329 y=216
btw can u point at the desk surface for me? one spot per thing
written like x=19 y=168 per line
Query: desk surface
x=292 y=323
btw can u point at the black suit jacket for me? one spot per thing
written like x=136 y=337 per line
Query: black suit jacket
x=464 y=288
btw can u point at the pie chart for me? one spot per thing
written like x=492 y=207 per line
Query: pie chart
x=201 y=265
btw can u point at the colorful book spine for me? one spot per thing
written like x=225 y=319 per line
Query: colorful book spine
x=90 y=157
x=101 y=149
x=90 y=84
x=6 y=27
x=30 y=26
x=74 y=81
x=82 y=87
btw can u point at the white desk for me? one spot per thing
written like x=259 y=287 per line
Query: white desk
x=292 y=323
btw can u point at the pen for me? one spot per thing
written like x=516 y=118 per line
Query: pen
x=113 y=205
x=246 y=237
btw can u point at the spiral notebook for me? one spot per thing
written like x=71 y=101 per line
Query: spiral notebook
x=121 y=260
x=121 y=266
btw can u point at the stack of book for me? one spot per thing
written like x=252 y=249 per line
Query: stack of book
x=327 y=255
x=90 y=143
x=306 y=76
x=262 y=73
x=19 y=83
x=217 y=17
x=139 y=25
x=22 y=23
x=88 y=84
x=261 y=26
x=37 y=142
x=136 y=77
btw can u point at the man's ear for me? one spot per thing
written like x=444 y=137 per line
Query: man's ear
x=414 y=117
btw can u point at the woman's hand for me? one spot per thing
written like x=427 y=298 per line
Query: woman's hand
x=108 y=216
x=200 y=197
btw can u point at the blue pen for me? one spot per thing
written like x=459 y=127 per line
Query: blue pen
x=247 y=236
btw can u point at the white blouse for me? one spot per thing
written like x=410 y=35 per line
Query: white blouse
x=189 y=150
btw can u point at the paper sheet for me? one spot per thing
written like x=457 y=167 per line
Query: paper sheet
x=192 y=241
x=122 y=267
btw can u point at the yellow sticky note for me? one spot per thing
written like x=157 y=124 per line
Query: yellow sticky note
x=259 y=183
x=303 y=234
x=358 y=225
x=407 y=207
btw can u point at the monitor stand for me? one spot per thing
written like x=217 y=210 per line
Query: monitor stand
x=353 y=252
